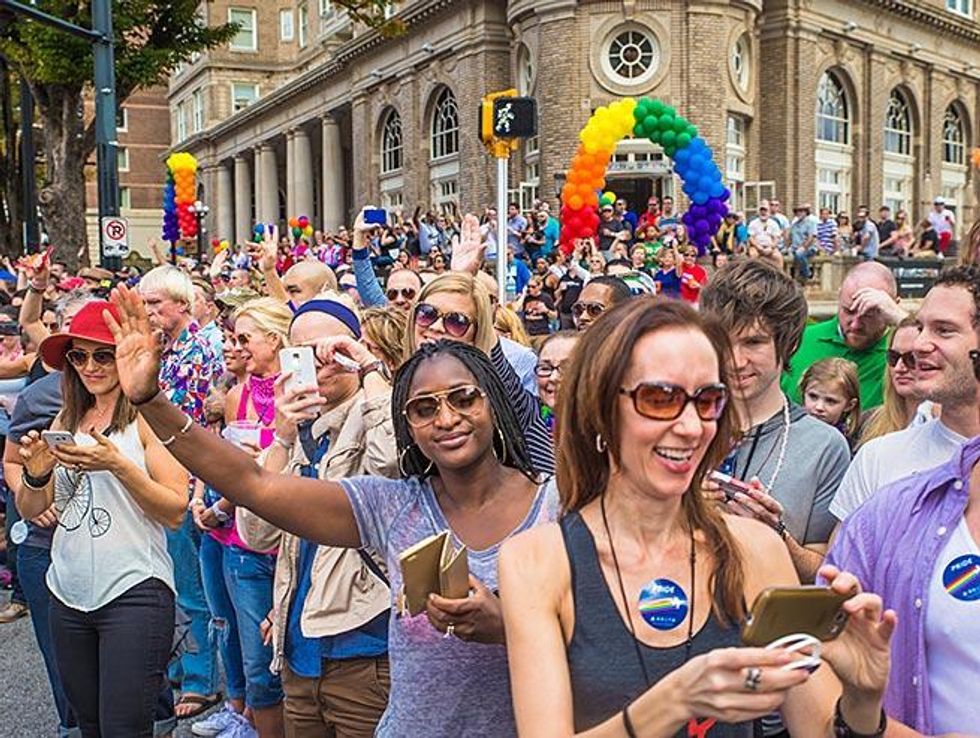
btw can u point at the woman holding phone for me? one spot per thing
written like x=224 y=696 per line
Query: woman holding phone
x=115 y=487
x=641 y=572
x=465 y=470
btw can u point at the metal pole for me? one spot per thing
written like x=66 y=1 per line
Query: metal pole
x=32 y=238
x=105 y=116
x=502 y=229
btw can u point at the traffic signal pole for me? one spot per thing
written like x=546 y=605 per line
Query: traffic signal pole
x=502 y=175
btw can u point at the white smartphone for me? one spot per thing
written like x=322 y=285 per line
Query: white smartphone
x=56 y=438
x=301 y=363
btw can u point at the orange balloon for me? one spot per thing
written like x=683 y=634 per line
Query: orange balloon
x=575 y=202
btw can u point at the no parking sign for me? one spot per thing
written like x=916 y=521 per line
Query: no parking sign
x=115 y=236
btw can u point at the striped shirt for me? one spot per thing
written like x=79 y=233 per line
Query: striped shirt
x=827 y=234
x=527 y=408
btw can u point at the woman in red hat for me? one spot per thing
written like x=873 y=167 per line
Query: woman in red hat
x=114 y=486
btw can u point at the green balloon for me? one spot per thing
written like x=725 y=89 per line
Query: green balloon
x=641 y=111
x=657 y=107
x=654 y=136
x=692 y=131
x=668 y=110
x=668 y=138
x=680 y=125
x=666 y=123
x=649 y=125
x=297 y=232
x=683 y=139
x=639 y=130
x=669 y=150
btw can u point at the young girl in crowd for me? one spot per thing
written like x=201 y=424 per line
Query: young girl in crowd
x=831 y=393
x=668 y=277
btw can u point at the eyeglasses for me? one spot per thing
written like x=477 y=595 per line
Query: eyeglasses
x=79 y=357
x=664 y=401
x=407 y=292
x=423 y=410
x=594 y=309
x=906 y=357
x=456 y=324
x=545 y=369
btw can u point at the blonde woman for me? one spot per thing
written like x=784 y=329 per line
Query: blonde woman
x=457 y=306
x=507 y=324
x=238 y=579
x=383 y=334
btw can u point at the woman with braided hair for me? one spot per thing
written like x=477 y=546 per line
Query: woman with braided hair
x=466 y=470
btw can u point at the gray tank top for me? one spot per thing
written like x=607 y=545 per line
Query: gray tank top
x=602 y=660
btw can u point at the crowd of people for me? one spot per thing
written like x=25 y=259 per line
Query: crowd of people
x=200 y=533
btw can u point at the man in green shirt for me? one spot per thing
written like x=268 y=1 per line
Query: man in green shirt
x=867 y=307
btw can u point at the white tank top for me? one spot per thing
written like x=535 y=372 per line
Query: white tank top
x=104 y=543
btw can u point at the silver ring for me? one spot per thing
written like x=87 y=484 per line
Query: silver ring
x=753 y=678
x=450 y=631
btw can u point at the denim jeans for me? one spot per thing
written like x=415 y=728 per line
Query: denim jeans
x=32 y=566
x=224 y=622
x=113 y=660
x=802 y=257
x=248 y=577
x=196 y=669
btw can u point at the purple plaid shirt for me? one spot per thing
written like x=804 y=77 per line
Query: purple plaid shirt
x=891 y=544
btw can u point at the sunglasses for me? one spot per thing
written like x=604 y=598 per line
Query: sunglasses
x=664 y=401
x=907 y=358
x=594 y=309
x=423 y=410
x=546 y=369
x=79 y=358
x=456 y=324
x=407 y=292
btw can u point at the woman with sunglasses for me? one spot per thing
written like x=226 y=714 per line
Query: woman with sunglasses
x=623 y=619
x=466 y=471
x=456 y=306
x=115 y=488
x=901 y=407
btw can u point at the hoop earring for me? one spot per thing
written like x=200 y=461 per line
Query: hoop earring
x=401 y=462
x=600 y=445
x=502 y=456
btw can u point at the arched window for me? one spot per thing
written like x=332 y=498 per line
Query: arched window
x=445 y=126
x=898 y=125
x=740 y=61
x=954 y=137
x=525 y=71
x=833 y=122
x=391 y=143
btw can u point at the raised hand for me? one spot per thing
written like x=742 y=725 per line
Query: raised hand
x=469 y=250
x=270 y=249
x=36 y=455
x=294 y=406
x=137 y=346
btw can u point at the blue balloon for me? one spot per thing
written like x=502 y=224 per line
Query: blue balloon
x=700 y=197
x=682 y=156
x=716 y=189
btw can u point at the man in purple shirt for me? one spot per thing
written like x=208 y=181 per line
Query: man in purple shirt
x=916 y=542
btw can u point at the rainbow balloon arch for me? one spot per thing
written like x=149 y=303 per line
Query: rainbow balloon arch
x=661 y=124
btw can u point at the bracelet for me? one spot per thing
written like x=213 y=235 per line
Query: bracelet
x=843 y=730
x=220 y=514
x=195 y=501
x=36 y=290
x=35 y=483
x=182 y=431
x=143 y=402
x=283 y=442
x=627 y=723
x=781 y=530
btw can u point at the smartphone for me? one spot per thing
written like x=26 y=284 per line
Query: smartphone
x=346 y=363
x=301 y=363
x=729 y=484
x=375 y=216
x=781 y=611
x=57 y=438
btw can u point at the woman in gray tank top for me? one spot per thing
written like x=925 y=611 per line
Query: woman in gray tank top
x=625 y=617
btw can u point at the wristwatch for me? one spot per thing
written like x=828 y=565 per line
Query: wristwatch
x=220 y=514
x=843 y=730
x=376 y=366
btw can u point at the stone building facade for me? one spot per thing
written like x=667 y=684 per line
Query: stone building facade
x=833 y=102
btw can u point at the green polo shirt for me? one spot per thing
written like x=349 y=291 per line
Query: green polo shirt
x=822 y=341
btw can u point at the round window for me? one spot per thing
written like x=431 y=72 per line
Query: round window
x=740 y=61
x=632 y=56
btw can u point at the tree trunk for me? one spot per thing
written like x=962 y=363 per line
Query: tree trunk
x=10 y=190
x=62 y=194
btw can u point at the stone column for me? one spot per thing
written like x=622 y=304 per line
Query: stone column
x=269 y=176
x=301 y=176
x=333 y=175
x=257 y=183
x=224 y=204
x=243 y=199
x=291 y=211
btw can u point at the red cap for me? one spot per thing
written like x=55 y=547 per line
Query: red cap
x=87 y=324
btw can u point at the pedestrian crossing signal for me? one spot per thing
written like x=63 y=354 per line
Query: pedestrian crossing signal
x=515 y=117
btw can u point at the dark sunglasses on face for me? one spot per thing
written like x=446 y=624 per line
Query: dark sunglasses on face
x=664 y=401
x=907 y=358
x=406 y=292
x=455 y=324
x=422 y=410
x=102 y=357
x=594 y=309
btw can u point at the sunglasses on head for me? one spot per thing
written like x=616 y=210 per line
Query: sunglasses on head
x=407 y=292
x=79 y=357
x=665 y=401
x=906 y=357
x=594 y=309
x=422 y=410
x=455 y=324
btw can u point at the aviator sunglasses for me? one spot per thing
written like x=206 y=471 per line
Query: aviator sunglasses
x=906 y=357
x=79 y=358
x=422 y=410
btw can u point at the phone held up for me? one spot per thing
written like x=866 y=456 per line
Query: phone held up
x=778 y=612
x=375 y=216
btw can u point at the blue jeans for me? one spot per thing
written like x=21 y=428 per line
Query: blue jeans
x=248 y=577
x=196 y=669
x=802 y=258
x=224 y=623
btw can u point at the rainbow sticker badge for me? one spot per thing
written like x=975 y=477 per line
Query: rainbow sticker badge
x=663 y=604
x=961 y=578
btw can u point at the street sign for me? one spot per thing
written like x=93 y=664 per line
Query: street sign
x=515 y=117
x=115 y=236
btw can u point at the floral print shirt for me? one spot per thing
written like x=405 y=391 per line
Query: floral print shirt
x=188 y=368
